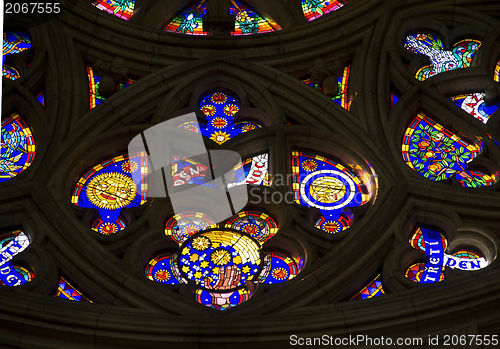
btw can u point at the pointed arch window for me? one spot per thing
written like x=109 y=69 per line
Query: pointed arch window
x=119 y=8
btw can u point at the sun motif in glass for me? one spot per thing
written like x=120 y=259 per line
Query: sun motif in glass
x=190 y=21
x=329 y=186
x=222 y=259
x=109 y=188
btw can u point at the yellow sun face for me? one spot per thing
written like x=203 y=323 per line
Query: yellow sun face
x=327 y=190
x=220 y=137
x=111 y=191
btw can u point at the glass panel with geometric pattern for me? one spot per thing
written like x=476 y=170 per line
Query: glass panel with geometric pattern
x=329 y=186
x=373 y=289
x=314 y=9
x=253 y=170
x=17 y=147
x=248 y=22
x=120 y=8
x=110 y=187
x=441 y=60
x=163 y=269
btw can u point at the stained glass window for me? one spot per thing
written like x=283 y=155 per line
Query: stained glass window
x=253 y=170
x=394 y=98
x=119 y=8
x=110 y=187
x=314 y=9
x=496 y=75
x=163 y=269
x=41 y=98
x=184 y=225
x=15 y=42
x=476 y=179
x=12 y=244
x=277 y=268
x=222 y=300
x=190 y=21
x=66 y=291
x=415 y=272
x=248 y=22
x=475 y=105
x=17 y=147
x=342 y=97
x=435 y=152
x=187 y=171
x=258 y=225
x=222 y=258
x=373 y=289
x=95 y=97
x=434 y=245
x=329 y=186
x=220 y=109
x=10 y=72
x=441 y=60
x=417 y=240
